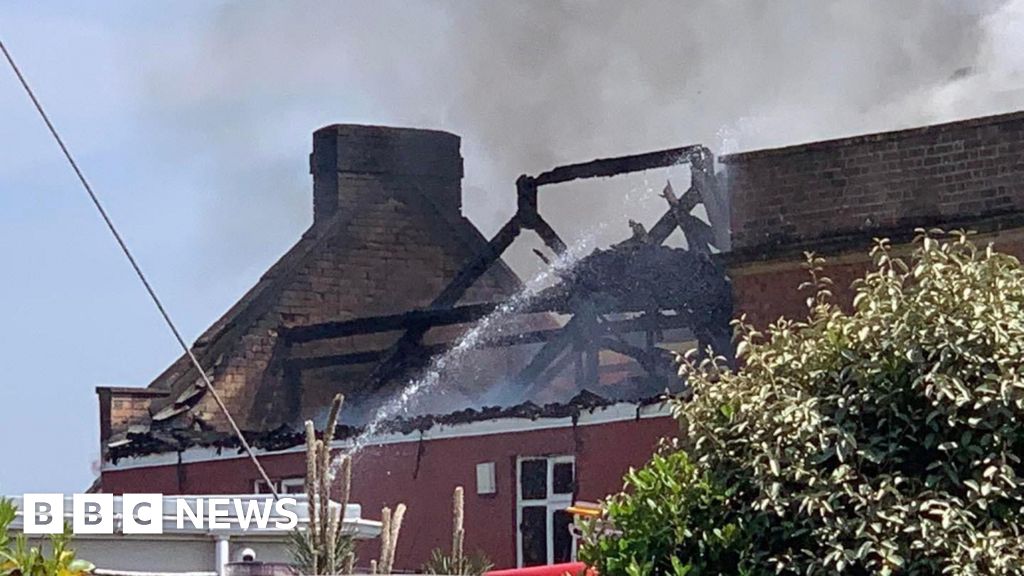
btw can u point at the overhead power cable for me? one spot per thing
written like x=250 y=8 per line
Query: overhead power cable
x=138 y=272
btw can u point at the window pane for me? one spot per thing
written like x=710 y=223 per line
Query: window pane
x=562 y=478
x=533 y=478
x=562 y=537
x=293 y=486
x=262 y=488
x=535 y=535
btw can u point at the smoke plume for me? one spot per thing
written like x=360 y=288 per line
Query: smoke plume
x=531 y=84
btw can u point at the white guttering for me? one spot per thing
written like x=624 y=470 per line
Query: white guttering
x=619 y=412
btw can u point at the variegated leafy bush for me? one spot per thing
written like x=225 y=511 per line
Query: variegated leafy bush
x=885 y=439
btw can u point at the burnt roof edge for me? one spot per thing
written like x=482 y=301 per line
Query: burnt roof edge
x=151 y=442
x=130 y=391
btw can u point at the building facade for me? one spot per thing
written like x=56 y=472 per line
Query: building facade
x=388 y=237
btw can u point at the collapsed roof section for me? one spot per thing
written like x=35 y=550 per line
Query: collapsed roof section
x=141 y=441
x=622 y=300
x=391 y=274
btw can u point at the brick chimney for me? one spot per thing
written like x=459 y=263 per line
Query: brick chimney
x=352 y=165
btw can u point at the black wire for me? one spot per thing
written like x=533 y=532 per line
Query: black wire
x=138 y=271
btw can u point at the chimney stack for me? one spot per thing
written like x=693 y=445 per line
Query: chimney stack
x=353 y=165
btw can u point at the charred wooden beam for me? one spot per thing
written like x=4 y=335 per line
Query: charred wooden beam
x=580 y=357
x=654 y=361
x=589 y=343
x=577 y=330
x=549 y=353
x=471 y=272
x=468 y=275
x=373 y=324
x=687 y=202
x=528 y=214
x=663 y=228
x=459 y=315
x=334 y=360
x=526 y=200
x=430 y=318
x=557 y=366
x=605 y=167
x=368 y=356
x=705 y=181
x=699 y=236
x=549 y=236
x=640 y=324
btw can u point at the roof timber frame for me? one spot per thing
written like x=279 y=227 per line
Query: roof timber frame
x=588 y=331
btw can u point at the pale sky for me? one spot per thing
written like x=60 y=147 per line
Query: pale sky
x=193 y=122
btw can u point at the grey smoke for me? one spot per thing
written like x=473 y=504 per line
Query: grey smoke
x=531 y=84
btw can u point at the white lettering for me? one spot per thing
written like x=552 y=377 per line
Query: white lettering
x=253 y=511
x=218 y=508
x=285 y=507
x=143 y=513
x=194 y=516
x=92 y=513
x=44 y=513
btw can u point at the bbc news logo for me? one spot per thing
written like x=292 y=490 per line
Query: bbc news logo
x=145 y=513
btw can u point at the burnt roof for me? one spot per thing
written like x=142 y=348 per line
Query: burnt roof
x=143 y=441
x=181 y=379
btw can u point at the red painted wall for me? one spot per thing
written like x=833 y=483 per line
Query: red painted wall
x=423 y=475
x=767 y=292
x=765 y=296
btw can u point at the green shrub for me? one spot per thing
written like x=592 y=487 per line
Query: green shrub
x=24 y=560
x=885 y=440
x=661 y=521
x=304 y=555
x=441 y=562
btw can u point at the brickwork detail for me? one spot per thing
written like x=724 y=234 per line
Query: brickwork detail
x=926 y=176
x=389 y=236
x=765 y=292
x=120 y=408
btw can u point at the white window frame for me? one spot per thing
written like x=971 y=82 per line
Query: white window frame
x=295 y=485
x=552 y=502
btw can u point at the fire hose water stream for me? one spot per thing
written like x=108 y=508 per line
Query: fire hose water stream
x=491 y=325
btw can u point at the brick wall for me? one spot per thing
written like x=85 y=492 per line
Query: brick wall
x=388 y=236
x=767 y=291
x=347 y=158
x=389 y=259
x=123 y=407
x=936 y=175
x=424 y=474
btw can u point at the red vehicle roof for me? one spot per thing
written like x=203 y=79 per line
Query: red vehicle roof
x=572 y=569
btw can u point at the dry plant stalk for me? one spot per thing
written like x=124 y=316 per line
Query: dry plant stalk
x=311 y=489
x=385 y=538
x=396 y=527
x=458 y=531
x=324 y=526
x=344 y=493
x=390 y=527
